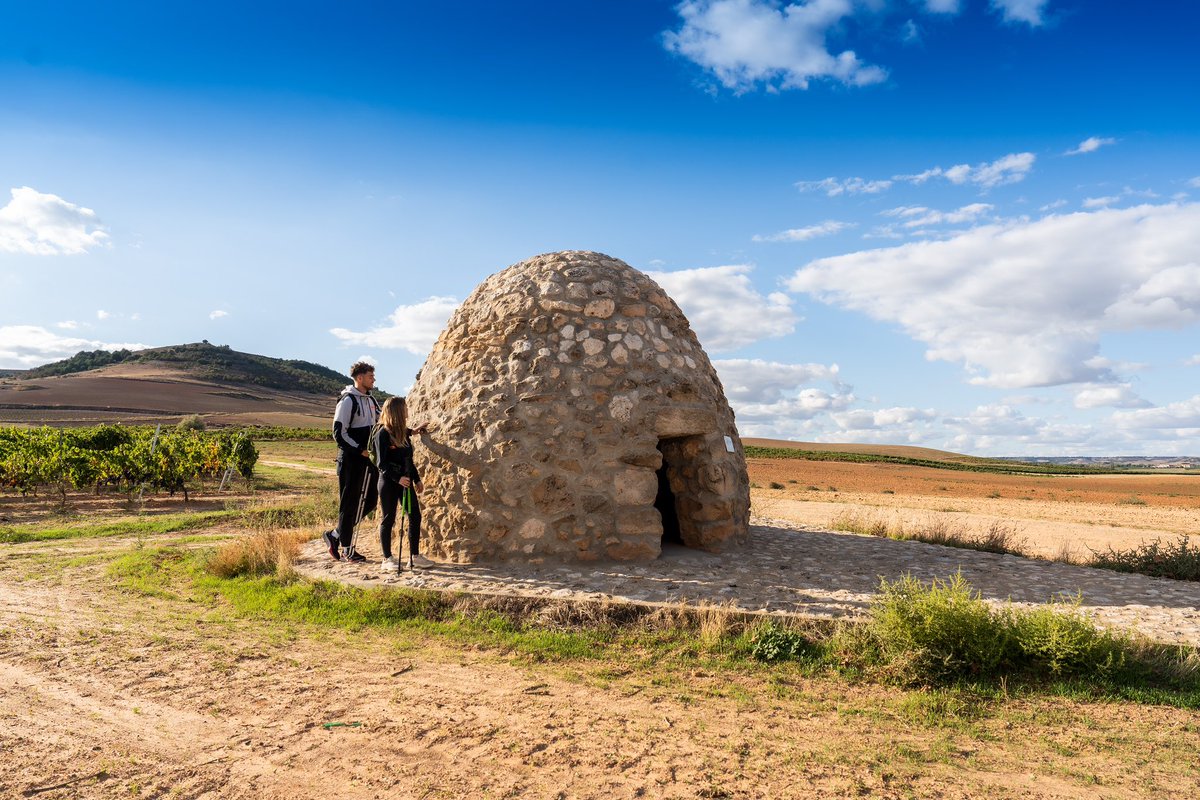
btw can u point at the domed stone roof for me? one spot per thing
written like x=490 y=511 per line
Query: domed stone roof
x=574 y=416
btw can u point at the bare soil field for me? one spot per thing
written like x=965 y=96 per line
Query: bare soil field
x=146 y=394
x=1052 y=514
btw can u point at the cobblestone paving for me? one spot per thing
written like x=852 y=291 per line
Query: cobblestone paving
x=790 y=569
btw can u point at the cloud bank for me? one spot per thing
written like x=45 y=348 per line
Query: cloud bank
x=725 y=309
x=26 y=346
x=413 y=327
x=1024 y=304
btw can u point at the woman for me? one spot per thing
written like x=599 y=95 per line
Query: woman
x=398 y=478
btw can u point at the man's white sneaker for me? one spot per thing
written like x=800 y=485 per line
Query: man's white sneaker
x=419 y=562
x=390 y=565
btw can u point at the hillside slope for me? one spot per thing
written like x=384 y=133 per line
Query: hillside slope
x=208 y=362
x=164 y=384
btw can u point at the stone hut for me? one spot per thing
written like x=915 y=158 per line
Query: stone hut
x=574 y=416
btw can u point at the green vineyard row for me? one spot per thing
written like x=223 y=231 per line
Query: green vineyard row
x=119 y=457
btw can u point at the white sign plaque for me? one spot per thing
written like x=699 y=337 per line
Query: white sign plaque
x=729 y=443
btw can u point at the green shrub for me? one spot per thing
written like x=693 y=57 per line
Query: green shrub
x=770 y=642
x=942 y=632
x=1179 y=560
x=192 y=422
x=938 y=630
x=776 y=485
x=1062 y=641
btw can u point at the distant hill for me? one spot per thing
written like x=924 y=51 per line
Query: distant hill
x=208 y=361
x=164 y=384
x=897 y=450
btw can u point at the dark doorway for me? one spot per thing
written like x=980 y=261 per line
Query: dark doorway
x=664 y=503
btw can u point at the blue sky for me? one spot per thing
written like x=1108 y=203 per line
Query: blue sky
x=971 y=225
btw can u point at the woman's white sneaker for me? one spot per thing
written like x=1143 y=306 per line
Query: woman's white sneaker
x=419 y=562
x=390 y=565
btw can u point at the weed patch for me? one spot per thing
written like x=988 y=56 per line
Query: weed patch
x=772 y=642
x=1179 y=559
x=940 y=633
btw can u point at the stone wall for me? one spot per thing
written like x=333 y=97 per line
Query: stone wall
x=548 y=394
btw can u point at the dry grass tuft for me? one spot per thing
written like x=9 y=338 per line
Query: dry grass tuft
x=268 y=552
x=998 y=537
x=714 y=623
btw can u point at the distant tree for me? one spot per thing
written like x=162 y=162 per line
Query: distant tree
x=192 y=422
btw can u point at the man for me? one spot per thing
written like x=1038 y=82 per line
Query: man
x=353 y=419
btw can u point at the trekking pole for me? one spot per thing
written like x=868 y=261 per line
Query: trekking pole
x=362 y=503
x=406 y=507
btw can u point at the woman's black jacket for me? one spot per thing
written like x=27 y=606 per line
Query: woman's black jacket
x=395 y=460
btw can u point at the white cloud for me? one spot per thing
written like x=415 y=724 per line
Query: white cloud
x=45 y=224
x=1194 y=361
x=781 y=416
x=1011 y=168
x=1119 y=395
x=920 y=177
x=920 y=216
x=1056 y=204
x=1194 y=182
x=1100 y=202
x=1181 y=415
x=25 y=346
x=758 y=381
x=748 y=43
x=804 y=234
x=776 y=400
x=413 y=328
x=1024 y=304
x=996 y=420
x=862 y=419
x=942 y=6
x=1028 y=11
x=218 y=314
x=836 y=186
x=1008 y=169
x=725 y=309
x=102 y=314
x=1089 y=145
x=67 y=325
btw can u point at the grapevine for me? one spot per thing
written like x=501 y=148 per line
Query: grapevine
x=118 y=457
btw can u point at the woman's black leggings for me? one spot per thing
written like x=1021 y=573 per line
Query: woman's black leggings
x=389 y=501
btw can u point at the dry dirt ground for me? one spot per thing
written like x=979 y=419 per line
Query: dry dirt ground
x=1052 y=514
x=108 y=693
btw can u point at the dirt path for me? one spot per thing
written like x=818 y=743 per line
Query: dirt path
x=108 y=694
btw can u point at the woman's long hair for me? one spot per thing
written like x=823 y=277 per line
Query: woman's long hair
x=394 y=418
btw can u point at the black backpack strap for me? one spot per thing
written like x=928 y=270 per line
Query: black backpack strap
x=353 y=404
